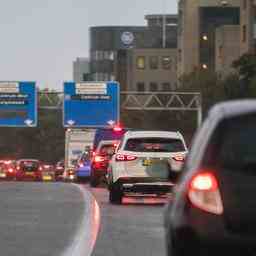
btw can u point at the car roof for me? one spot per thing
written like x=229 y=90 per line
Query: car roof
x=232 y=108
x=153 y=134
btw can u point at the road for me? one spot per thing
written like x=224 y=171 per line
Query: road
x=45 y=219
x=132 y=229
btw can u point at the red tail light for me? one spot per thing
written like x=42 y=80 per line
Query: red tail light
x=179 y=158
x=99 y=159
x=124 y=158
x=40 y=168
x=204 y=193
x=117 y=129
x=10 y=170
x=18 y=168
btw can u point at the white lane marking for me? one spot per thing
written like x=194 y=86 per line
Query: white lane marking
x=86 y=235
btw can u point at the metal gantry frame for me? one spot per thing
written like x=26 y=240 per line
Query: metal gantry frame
x=133 y=100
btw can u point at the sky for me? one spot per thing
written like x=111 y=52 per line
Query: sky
x=40 y=39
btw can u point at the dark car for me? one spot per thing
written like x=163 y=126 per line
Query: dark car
x=100 y=161
x=59 y=170
x=111 y=133
x=214 y=208
x=7 y=170
x=29 y=170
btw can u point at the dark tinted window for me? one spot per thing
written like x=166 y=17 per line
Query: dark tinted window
x=30 y=164
x=107 y=150
x=233 y=144
x=154 y=145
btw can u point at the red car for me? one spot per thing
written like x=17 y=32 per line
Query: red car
x=29 y=170
x=7 y=170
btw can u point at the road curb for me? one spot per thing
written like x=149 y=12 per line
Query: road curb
x=86 y=235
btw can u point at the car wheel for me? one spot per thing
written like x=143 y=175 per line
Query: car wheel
x=94 y=182
x=115 y=194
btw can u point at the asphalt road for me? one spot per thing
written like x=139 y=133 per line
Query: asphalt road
x=135 y=228
x=41 y=219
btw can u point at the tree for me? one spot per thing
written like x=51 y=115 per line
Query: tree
x=246 y=67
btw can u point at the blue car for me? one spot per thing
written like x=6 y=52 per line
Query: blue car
x=83 y=168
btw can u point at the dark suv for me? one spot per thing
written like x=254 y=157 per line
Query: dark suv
x=213 y=210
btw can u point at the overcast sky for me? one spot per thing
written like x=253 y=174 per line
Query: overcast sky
x=39 y=39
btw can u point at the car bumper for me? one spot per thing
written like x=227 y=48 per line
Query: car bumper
x=209 y=231
x=145 y=185
x=83 y=173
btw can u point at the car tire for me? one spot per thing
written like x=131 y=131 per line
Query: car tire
x=94 y=182
x=115 y=194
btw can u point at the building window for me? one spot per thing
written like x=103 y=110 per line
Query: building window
x=140 y=63
x=153 y=87
x=244 y=33
x=166 y=87
x=166 y=62
x=179 y=55
x=220 y=52
x=153 y=62
x=140 y=87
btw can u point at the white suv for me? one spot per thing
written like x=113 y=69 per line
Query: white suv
x=145 y=162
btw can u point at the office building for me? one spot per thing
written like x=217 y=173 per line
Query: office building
x=81 y=70
x=198 y=21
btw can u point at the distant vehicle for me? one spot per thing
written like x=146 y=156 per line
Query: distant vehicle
x=59 y=170
x=146 y=162
x=83 y=167
x=111 y=133
x=29 y=170
x=213 y=210
x=76 y=142
x=7 y=170
x=48 y=172
x=100 y=161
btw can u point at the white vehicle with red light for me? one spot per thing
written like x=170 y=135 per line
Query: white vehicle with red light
x=146 y=162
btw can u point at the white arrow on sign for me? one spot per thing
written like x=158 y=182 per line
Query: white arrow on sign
x=28 y=122
x=71 y=122
x=111 y=122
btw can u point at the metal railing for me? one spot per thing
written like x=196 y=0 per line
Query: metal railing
x=145 y=101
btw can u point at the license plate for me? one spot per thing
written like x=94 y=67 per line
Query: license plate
x=147 y=162
x=29 y=173
x=2 y=175
x=47 y=178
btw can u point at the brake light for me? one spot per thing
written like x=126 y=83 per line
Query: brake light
x=99 y=159
x=40 y=168
x=18 y=168
x=10 y=170
x=117 y=129
x=204 y=193
x=59 y=168
x=123 y=158
x=179 y=158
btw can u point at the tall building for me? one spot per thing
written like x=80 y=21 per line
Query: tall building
x=247 y=30
x=227 y=48
x=81 y=70
x=152 y=69
x=198 y=21
x=112 y=47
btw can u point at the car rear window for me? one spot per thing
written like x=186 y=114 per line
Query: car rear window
x=107 y=150
x=33 y=164
x=154 y=145
x=233 y=144
x=238 y=142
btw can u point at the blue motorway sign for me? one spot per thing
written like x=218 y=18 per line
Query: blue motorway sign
x=18 y=104
x=92 y=104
